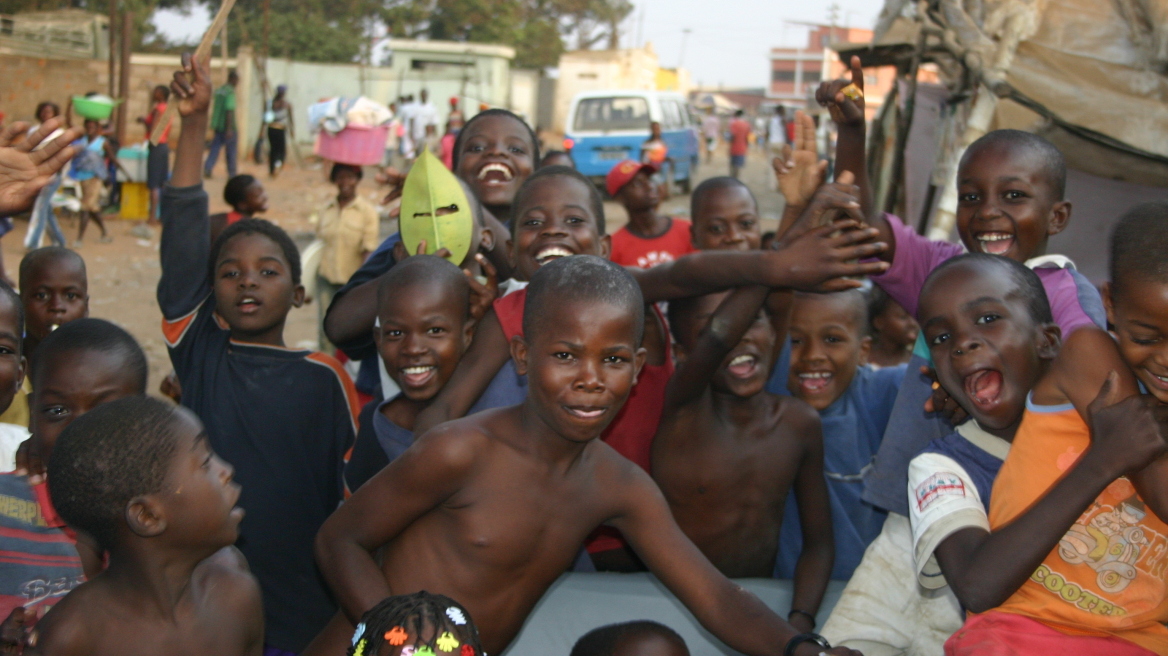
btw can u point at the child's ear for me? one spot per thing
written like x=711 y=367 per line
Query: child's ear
x=1060 y=215
x=605 y=246
x=298 y=296
x=1050 y=339
x=468 y=331
x=519 y=355
x=486 y=241
x=145 y=516
x=865 y=349
x=1108 y=304
x=639 y=359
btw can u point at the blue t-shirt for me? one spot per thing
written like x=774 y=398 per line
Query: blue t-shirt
x=853 y=428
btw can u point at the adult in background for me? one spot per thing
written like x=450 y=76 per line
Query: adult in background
x=279 y=129
x=348 y=226
x=42 y=209
x=710 y=128
x=158 y=155
x=425 y=114
x=223 y=124
x=776 y=138
x=739 y=142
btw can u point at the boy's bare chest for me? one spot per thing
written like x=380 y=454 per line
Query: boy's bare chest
x=190 y=634
x=715 y=457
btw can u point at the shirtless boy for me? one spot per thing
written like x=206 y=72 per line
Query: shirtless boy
x=139 y=475
x=754 y=447
x=491 y=509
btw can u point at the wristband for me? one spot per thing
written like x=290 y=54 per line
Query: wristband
x=794 y=643
x=804 y=614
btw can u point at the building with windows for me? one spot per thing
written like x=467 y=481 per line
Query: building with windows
x=797 y=72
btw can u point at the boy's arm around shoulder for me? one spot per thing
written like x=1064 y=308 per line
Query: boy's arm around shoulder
x=487 y=354
x=813 y=569
x=729 y=323
x=185 y=245
x=984 y=569
x=1085 y=362
x=734 y=615
x=428 y=473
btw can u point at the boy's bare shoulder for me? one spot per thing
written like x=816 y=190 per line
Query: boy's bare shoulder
x=797 y=417
x=227 y=574
x=74 y=623
x=462 y=441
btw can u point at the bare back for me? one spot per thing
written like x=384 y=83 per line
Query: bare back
x=727 y=478
x=219 y=613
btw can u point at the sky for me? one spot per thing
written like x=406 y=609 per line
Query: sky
x=727 y=44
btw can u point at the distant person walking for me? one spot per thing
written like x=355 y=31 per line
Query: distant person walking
x=42 y=209
x=711 y=126
x=158 y=155
x=279 y=129
x=739 y=142
x=223 y=124
x=776 y=139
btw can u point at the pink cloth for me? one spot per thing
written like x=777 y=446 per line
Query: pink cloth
x=1007 y=634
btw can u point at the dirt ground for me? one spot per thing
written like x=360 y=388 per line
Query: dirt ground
x=123 y=274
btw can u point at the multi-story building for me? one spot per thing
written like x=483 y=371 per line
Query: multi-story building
x=797 y=72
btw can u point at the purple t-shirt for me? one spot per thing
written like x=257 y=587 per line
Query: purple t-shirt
x=1074 y=303
x=917 y=256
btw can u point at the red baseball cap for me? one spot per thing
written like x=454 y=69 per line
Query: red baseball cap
x=622 y=173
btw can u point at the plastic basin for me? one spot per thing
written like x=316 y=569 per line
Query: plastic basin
x=92 y=108
x=357 y=145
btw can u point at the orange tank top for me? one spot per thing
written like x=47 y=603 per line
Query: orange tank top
x=1107 y=575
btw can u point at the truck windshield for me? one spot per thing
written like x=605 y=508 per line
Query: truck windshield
x=618 y=113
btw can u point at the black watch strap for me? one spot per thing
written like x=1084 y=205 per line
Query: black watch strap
x=804 y=614
x=794 y=643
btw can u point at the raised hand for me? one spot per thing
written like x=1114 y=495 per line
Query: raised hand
x=26 y=166
x=192 y=86
x=482 y=295
x=844 y=99
x=828 y=258
x=941 y=403
x=1126 y=435
x=830 y=202
x=800 y=171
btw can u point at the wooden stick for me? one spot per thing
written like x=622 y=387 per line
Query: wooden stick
x=202 y=56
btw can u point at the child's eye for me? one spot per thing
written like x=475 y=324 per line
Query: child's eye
x=717 y=230
x=562 y=355
x=967 y=198
x=832 y=339
x=574 y=219
x=207 y=461
x=795 y=341
x=269 y=272
x=1145 y=341
x=393 y=333
x=615 y=359
x=517 y=150
x=988 y=318
x=4 y=350
x=56 y=411
x=1014 y=195
x=72 y=296
x=532 y=222
x=230 y=274
x=41 y=296
x=436 y=331
x=748 y=223
x=939 y=339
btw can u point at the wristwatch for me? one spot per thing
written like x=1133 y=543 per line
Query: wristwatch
x=794 y=643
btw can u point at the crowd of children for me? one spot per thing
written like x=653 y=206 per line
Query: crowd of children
x=689 y=398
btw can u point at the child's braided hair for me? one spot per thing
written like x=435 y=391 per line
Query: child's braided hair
x=403 y=619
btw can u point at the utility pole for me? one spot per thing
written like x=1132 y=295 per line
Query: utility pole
x=684 y=36
x=113 y=51
x=124 y=82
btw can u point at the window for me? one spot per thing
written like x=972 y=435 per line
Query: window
x=810 y=77
x=670 y=119
x=780 y=75
x=617 y=113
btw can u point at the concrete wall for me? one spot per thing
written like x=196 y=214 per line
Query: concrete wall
x=597 y=70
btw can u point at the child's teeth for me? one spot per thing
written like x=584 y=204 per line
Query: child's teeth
x=416 y=370
x=741 y=359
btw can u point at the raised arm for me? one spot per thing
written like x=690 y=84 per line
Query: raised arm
x=727 y=325
x=847 y=110
x=732 y=614
x=482 y=361
x=1088 y=357
x=984 y=569
x=426 y=475
x=813 y=569
x=828 y=258
x=185 y=246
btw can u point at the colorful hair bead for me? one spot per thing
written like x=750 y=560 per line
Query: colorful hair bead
x=467 y=650
x=396 y=636
x=456 y=615
x=447 y=642
x=357 y=633
x=360 y=650
x=424 y=650
x=408 y=650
